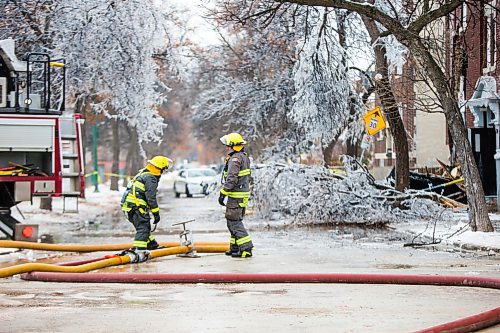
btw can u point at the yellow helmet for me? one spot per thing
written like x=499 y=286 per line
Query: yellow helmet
x=161 y=162
x=233 y=139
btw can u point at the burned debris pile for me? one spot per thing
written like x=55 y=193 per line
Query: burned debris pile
x=446 y=183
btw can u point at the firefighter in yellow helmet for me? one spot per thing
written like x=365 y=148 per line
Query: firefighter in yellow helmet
x=139 y=200
x=236 y=186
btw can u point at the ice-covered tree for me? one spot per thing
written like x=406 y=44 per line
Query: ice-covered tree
x=344 y=28
x=245 y=83
x=407 y=28
x=324 y=103
x=281 y=81
x=313 y=195
x=108 y=46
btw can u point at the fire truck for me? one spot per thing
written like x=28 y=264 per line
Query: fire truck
x=40 y=143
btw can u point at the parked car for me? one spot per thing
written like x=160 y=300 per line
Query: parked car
x=193 y=181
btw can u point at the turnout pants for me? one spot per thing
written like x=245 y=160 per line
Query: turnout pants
x=143 y=238
x=239 y=240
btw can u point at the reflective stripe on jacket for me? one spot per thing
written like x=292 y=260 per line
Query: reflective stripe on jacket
x=141 y=192
x=236 y=178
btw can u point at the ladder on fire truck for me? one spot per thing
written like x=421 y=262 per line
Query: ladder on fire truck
x=71 y=169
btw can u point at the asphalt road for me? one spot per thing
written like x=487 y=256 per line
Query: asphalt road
x=27 y=306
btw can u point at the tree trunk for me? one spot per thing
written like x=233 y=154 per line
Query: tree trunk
x=328 y=154
x=352 y=148
x=115 y=168
x=390 y=109
x=478 y=213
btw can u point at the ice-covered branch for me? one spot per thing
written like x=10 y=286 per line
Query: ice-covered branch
x=313 y=195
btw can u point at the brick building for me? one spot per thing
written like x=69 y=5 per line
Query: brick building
x=474 y=65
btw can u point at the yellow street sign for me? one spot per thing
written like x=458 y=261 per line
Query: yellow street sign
x=374 y=121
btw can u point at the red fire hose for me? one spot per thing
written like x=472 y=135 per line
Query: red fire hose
x=468 y=324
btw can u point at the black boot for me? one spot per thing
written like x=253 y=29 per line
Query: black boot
x=153 y=245
x=242 y=254
x=231 y=251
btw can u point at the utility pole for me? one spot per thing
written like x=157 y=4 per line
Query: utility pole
x=96 y=167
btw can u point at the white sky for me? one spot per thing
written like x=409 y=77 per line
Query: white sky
x=201 y=30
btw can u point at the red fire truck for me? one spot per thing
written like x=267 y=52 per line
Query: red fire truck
x=40 y=143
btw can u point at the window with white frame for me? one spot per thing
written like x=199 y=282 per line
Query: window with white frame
x=491 y=36
x=464 y=17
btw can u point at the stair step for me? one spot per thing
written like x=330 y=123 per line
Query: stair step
x=70 y=194
x=70 y=174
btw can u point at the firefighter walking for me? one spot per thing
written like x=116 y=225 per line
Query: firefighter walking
x=236 y=187
x=139 y=200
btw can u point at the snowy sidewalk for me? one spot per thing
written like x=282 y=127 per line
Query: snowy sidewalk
x=456 y=234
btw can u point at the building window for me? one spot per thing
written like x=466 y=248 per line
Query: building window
x=464 y=17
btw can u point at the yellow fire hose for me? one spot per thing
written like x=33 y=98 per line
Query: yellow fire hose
x=88 y=247
x=114 y=261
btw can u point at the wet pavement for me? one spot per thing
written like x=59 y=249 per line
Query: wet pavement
x=92 y=307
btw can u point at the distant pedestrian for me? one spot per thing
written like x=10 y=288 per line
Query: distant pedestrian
x=139 y=200
x=236 y=186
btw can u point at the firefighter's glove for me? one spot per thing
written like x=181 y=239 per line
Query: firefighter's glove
x=221 y=200
x=157 y=218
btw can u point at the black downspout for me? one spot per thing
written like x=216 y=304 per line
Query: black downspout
x=28 y=84
x=16 y=98
x=47 y=68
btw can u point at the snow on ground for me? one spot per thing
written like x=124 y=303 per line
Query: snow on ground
x=456 y=233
